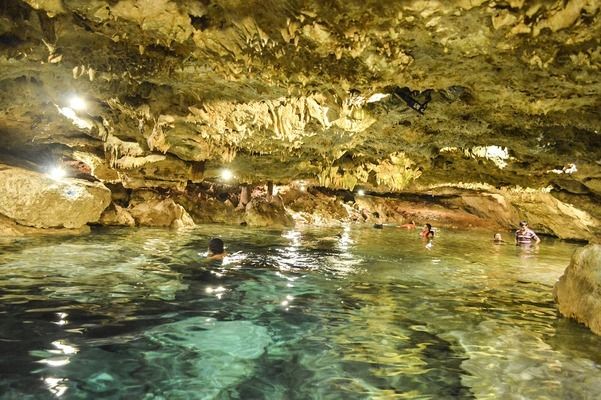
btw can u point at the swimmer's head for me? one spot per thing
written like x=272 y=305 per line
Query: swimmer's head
x=216 y=246
x=498 y=237
x=429 y=227
x=523 y=223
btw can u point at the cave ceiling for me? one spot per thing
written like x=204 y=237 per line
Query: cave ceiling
x=386 y=95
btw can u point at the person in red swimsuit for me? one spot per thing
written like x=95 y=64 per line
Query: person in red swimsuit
x=427 y=232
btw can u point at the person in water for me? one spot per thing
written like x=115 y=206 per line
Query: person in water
x=216 y=249
x=525 y=235
x=409 y=226
x=378 y=224
x=427 y=232
x=498 y=239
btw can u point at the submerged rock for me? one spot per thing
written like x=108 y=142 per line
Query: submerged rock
x=36 y=200
x=208 y=356
x=578 y=291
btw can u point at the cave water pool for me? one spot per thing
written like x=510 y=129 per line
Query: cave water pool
x=337 y=313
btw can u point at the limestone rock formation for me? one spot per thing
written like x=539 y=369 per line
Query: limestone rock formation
x=149 y=209
x=314 y=208
x=34 y=199
x=116 y=215
x=263 y=213
x=209 y=210
x=578 y=291
x=392 y=97
x=8 y=227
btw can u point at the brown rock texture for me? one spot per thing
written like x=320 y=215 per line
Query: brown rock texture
x=578 y=291
x=149 y=209
x=36 y=200
x=116 y=215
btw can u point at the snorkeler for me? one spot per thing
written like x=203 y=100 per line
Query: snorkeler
x=216 y=249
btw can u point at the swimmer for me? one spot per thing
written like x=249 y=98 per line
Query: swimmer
x=216 y=249
x=378 y=224
x=427 y=232
x=498 y=239
x=409 y=226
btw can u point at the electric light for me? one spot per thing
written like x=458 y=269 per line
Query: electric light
x=227 y=175
x=377 y=97
x=57 y=173
x=77 y=103
x=301 y=185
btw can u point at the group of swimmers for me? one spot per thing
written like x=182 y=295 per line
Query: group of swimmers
x=523 y=236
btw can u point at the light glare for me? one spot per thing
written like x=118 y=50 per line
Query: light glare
x=77 y=103
x=226 y=174
x=56 y=173
x=361 y=192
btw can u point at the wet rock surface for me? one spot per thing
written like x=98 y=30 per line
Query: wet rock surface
x=577 y=291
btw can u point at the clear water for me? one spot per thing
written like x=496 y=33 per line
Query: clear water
x=305 y=314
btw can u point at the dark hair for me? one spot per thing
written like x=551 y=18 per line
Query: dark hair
x=523 y=223
x=429 y=226
x=216 y=246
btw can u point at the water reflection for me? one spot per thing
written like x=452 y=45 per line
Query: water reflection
x=312 y=313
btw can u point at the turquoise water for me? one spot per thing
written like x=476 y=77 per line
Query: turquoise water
x=299 y=314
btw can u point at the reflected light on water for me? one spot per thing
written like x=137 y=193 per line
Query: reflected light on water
x=56 y=386
x=63 y=351
x=286 y=303
x=64 y=347
x=345 y=238
x=218 y=291
x=293 y=236
x=62 y=319
x=55 y=361
x=157 y=246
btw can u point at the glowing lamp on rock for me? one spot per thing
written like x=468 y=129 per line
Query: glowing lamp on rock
x=77 y=103
x=56 y=173
x=227 y=175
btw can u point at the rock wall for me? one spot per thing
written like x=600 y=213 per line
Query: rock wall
x=578 y=291
x=150 y=209
x=8 y=227
x=448 y=207
x=33 y=199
